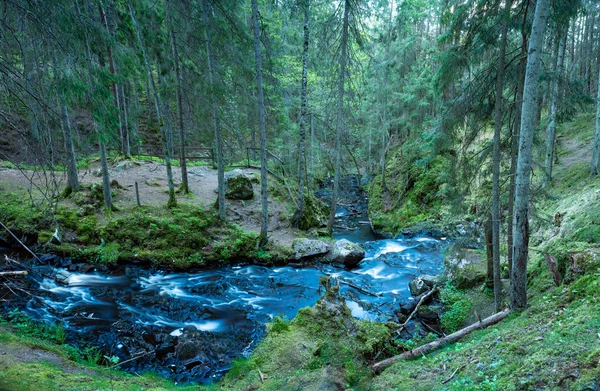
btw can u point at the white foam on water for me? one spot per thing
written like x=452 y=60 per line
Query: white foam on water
x=391 y=246
x=376 y=272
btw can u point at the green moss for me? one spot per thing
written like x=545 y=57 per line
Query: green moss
x=458 y=305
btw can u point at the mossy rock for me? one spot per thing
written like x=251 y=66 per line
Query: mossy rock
x=315 y=214
x=238 y=186
x=465 y=268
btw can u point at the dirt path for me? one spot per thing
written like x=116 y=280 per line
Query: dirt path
x=152 y=181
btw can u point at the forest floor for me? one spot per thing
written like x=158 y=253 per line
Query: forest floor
x=152 y=182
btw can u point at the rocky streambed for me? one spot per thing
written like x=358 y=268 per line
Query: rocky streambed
x=190 y=326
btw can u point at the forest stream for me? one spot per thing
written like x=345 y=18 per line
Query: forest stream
x=190 y=326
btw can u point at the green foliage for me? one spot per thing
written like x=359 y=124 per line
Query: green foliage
x=278 y=324
x=25 y=326
x=458 y=303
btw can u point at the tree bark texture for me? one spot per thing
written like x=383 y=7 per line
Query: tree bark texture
x=518 y=292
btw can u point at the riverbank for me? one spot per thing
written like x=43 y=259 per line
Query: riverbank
x=146 y=233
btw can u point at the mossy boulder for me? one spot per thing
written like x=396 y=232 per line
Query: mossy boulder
x=314 y=216
x=238 y=186
x=465 y=268
x=304 y=248
x=347 y=252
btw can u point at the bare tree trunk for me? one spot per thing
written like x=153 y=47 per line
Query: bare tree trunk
x=215 y=114
x=72 y=175
x=553 y=107
x=340 y=115
x=168 y=144
x=105 y=177
x=182 y=159
x=596 y=148
x=489 y=250
x=496 y=160
x=262 y=129
x=518 y=292
x=127 y=146
x=514 y=149
x=299 y=215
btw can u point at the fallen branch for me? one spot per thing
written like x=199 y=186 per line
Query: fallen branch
x=381 y=365
x=412 y=314
x=362 y=290
x=21 y=243
x=453 y=373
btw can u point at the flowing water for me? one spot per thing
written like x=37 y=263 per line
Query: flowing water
x=194 y=324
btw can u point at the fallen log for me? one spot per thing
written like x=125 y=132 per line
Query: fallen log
x=378 y=367
x=414 y=312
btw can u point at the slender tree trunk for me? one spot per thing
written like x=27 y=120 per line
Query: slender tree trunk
x=105 y=177
x=168 y=143
x=553 y=107
x=514 y=149
x=262 y=129
x=72 y=174
x=489 y=252
x=596 y=148
x=299 y=215
x=216 y=114
x=182 y=158
x=518 y=292
x=496 y=160
x=127 y=149
x=340 y=115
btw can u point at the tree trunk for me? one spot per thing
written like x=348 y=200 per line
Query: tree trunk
x=216 y=115
x=127 y=149
x=518 y=292
x=182 y=159
x=514 y=148
x=553 y=107
x=422 y=350
x=72 y=174
x=340 y=114
x=298 y=216
x=496 y=160
x=105 y=177
x=596 y=148
x=168 y=145
x=262 y=129
x=489 y=250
